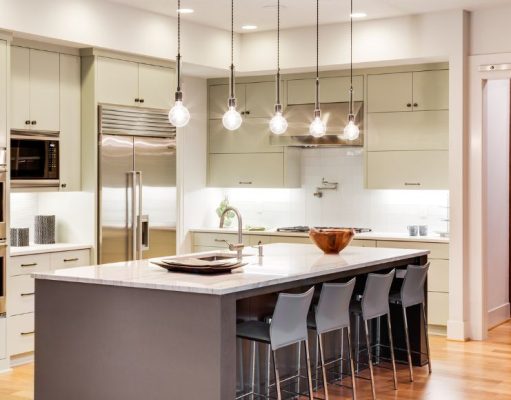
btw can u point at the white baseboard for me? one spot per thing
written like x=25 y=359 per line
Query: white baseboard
x=498 y=315
x=22 y=359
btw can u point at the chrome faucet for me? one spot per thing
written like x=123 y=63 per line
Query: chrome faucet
x=239 y=246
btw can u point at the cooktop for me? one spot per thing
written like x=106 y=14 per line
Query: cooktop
x=306 y=229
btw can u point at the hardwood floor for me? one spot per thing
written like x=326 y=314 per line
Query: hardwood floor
x=461 y=371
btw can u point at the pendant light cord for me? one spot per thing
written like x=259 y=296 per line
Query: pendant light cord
x=351 y=58
x=178 y=60
x=317 y=54
x=232 y=49
x=278 y=52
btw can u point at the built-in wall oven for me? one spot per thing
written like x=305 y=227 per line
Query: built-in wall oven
x=34 y=159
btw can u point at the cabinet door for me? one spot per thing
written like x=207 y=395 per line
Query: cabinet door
x=390 y=92
x=20 y=334
x=438 y=308
x=218 y=96
x=420 y=130
x=252 y=137
x=117 y=82
x=3 y=93
x=44 y=90
x=431 y=90
x=408 y=170
x=332 y=90
x=20 y=88
x=262 y=170
x=21 y=294
x=156 y=86
x=438 y=276
x=70 y=123
x=70 y=259
x=260 y=99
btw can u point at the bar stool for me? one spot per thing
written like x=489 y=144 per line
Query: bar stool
x=332 y=314
x=375 y=304
x=411 y=294
x=288 y=326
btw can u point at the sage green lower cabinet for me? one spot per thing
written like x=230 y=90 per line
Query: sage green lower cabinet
x=255 y=170
x=427 y=170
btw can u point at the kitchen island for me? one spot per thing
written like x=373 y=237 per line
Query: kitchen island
x=134 y=331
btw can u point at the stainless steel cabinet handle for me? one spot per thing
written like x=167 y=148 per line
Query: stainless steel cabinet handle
x=28 y=265
x=245 y=182
x=27 y=333
x=27 y=294
x=27 y=122
x=220 y=241
x=71 y=259
x=409 y=105
x=412 y=184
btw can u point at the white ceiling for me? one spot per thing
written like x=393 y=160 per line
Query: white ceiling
x=296 y=13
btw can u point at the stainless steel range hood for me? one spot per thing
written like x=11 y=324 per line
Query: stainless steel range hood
x=335 y=115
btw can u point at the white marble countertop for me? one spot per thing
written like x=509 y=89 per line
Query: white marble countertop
x=281 y=263
x=393 y=236
x=46 y=248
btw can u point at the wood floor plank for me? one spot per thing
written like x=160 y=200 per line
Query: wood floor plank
x=461 y=371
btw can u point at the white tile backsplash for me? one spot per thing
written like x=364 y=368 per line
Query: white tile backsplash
x=350 y=205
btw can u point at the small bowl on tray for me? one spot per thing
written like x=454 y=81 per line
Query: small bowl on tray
x=332 y=240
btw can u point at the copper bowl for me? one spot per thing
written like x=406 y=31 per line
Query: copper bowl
x=332 y=241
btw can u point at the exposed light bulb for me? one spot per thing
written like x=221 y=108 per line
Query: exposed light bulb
x=351 y=130
x=232 y=119
x=278 y=123
x=317 y=127
x=179 y=115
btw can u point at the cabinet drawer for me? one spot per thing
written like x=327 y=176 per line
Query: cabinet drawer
x=291 y=239
x=3 y=342
x=20 y=334
x=213 y=239
x=408 y=170
x=21 y=294
x=438 y=276
x=438 y=308
x=437 y=250
x=69 y=259
x=363 y=243
x=28 y=264
x=255 y=239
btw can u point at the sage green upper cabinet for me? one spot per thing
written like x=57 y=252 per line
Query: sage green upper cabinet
x=408 y=91
x=431 y=90
x=117 y=81
x=70 y=123
x=156 y=86
x=134 y=84
x=3 y=93
x=390 y=92
x=35 y=89
x=253 y=100
x=253 y=136
x=332 y=90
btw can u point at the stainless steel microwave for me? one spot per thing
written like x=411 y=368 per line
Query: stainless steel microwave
x=35 y=159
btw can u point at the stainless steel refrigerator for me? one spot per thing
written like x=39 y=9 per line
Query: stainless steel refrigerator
x=137 y=184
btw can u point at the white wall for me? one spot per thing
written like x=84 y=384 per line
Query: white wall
x=490 y=31
x=496 y=128
x=73 y=213
x=103 y=24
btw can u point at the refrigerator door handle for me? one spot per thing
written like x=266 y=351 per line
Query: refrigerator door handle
x=144 y=224
x=133 y=176
x=140 y=223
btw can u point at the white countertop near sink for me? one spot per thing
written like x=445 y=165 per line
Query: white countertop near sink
x=46 y=248
x=281 y=263
x=393 y=236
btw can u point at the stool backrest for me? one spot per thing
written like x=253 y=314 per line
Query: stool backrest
x=289 y=322
x=333 y=311
x=412 y=291
x=375 y=301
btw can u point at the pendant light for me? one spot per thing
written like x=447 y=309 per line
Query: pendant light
x=317 y=127
x=278 y=123
x=351 y=131
x=179 y=115
x=232 y=118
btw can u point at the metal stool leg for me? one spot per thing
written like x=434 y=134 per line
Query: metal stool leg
x=253 y=368
x=352 y=366
x=427 y=335
x=389 y=325
x=378 y=339
x=408 y=350
x=299 y=367
x=316 y=364
x=268 y=371
x=341 y=364
x=277 y=377
x=323 y=369
x=309 y=372
x=357 y=349
x=368 y=343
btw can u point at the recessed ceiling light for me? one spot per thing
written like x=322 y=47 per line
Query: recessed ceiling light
x=249 y=27
x=185 y=10
x=358 y=15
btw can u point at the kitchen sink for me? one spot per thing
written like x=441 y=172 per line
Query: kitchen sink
x=216 y=257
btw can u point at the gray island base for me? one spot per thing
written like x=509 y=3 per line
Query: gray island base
x=132 y=331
